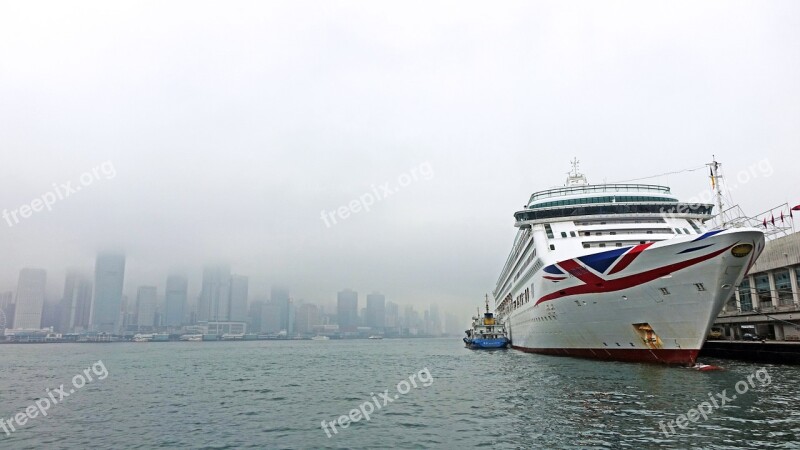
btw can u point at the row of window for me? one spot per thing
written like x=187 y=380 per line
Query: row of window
x=520 y=242
x=764 y=294
x=618 y=232
x=606 y=199
x=576 y=211
x=580 y=223
x=609 y=244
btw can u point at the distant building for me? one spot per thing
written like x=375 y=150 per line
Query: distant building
x=146 y=302
x=215 y=297
x=175 y=299
x=51 y=315
x=280 y=296
x=238 y=298
x=6 y=310
x=452 y=326
x=435 y=328
x=30 y=299
x=109 y=276
x=223 y=328
x=392 y=318
x=76 y=303
x=254 y=315
x=290 y=310
x=767 y=301
x=307 y=316
x=375 y=316
x=271 y=318
x=6 y=298
x=347 y=310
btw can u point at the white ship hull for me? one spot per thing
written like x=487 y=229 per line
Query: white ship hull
x=651 y=302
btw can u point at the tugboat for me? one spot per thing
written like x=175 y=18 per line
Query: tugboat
x=486 y=332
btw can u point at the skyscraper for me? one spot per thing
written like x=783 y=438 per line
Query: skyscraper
x=306 y=318
x=175 y=300
x=7 y=308
x=238 y=298
x=214 y=304
x=146 y=300
x=435 y=322
x=271 y=318
x=376 y=310
x=279 y=296
x=254 y=315
x=76 y=303
x=109 y=275
x=30 y=298
x=347 y=310
x=392 y=314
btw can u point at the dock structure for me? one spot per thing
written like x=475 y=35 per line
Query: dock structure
x=766 y=304
x=775 y=352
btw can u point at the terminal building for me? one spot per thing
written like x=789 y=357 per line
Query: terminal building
x=766 y=303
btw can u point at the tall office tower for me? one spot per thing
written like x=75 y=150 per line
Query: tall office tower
x=76 y=303
x=51 y=315
x=435 y=321
x=146 y=300
x=280 y=296
x=109 y=275
x=214 y=304
x=306 y=318
x=254 y=315
x=6 y=299
x=30 y=298
x=412 y=319
x=290 y=317
x=175 y=300
x=376 y=310
x=6 y=310
x=238 y=298
x=271 y=318
x=392 y=315
x=347 y=310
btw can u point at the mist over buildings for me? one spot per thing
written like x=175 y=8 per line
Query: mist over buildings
x=203 y=134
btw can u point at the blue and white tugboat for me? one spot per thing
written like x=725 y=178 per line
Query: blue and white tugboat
x=486 y=332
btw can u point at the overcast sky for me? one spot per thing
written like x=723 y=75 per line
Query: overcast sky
x=230 y=127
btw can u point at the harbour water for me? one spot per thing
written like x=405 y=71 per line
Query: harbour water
x=273 y=394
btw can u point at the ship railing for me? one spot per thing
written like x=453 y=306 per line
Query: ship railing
x=564 y=191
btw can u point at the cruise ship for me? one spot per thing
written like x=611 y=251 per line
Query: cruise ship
x=618 y=271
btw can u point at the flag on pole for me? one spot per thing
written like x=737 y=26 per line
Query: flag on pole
x=711 y=173
x=765 y=222
x=781 y=217
x=773 y=219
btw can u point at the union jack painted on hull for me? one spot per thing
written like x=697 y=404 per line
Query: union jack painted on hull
x=652 y=296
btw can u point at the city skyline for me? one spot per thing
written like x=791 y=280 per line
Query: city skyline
x=86 y=301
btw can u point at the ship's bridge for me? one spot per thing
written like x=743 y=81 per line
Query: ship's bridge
x=607 y=199
x=569 y=195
